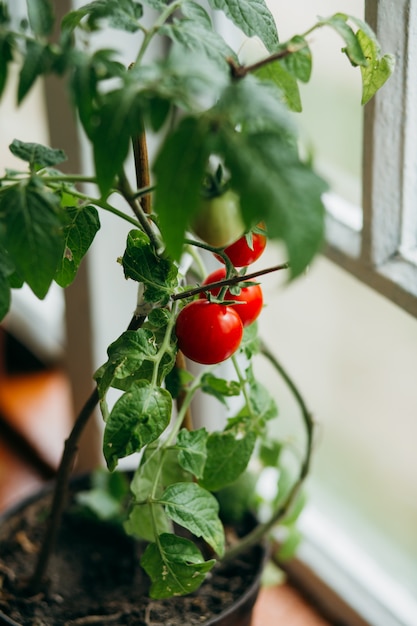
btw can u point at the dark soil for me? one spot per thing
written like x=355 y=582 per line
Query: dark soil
x=95 y=578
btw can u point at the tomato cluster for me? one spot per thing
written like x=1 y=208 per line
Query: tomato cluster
x=209 y=332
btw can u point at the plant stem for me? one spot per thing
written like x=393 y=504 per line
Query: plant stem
x=60 y=493
x=131 y=199
x=234 y=280
x=262 y=529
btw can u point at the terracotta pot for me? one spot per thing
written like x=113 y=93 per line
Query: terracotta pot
x=237 y=612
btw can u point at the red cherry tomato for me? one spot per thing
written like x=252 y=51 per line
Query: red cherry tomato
x=242 y=254
x=250 y=298
x=207 y=332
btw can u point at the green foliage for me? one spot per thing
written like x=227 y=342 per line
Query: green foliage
x=219 y=126
x=195 y=509
x=175 y=566
x=137 y=419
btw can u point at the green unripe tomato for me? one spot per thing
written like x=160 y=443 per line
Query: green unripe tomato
x=219 y=220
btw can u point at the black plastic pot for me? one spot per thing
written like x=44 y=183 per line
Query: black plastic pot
x=237 y=613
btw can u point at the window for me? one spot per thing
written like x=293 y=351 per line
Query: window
x=351 y=350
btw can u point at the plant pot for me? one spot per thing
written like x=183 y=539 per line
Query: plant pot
x=94 y=576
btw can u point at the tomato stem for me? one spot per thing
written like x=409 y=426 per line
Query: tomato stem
x=234 y=280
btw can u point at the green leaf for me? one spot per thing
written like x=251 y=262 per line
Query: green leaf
x=41 y=17
x=195 y=12
x=79 y=234
x=192 y=452
x=175 y=566
x=180 y=169
x=33 y=232
x=219 y=388
x=147 y=520
x=276 y=186
x=253 y=17
x=158 y=274
x=270 y=452
x=7 y=271
x=289 y=546
x=36 y=62
x=127 y=356
x=227 y=457
x=353 y=49
x=113 y=130
x=201 y=39
x=378 y=69
x=121 y=14
x=37 y=155
x=6 y=56
x=299 y=62
x=194 y=508
x=137 y=418
x=285 y=81
x=106 y=498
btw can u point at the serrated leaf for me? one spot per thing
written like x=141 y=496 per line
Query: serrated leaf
x=194 y=508
x=277 y=74
x=227 y=457
x=158 y=274
x=194 y=11
x=33 y=232
x=378 y=69
x=180 y=169
x=253 y=17
x=36 y=154
x=175 y=566
x=127 y=356
x=192 y=450
x=139 y=417
x=201 y=39
x=80 y=230
x=41 y=16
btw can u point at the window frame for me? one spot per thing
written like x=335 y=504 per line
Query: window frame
x=381 y=252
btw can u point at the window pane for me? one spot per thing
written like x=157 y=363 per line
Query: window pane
x=331 y=122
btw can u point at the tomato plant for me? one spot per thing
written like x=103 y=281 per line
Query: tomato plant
x=250 y=298
x=219 y=221
x=246 y=250
x=207 y=332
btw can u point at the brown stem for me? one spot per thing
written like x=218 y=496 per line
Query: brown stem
x=136 y=206
x=140 y=151
x=234 y=280
x=60 y=493
x=240 y=71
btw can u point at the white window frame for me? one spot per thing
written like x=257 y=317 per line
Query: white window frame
x=381 y=248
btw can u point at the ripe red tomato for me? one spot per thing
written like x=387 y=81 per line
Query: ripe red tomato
x=208 y=333
x=242 y=254
x=250 y=298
